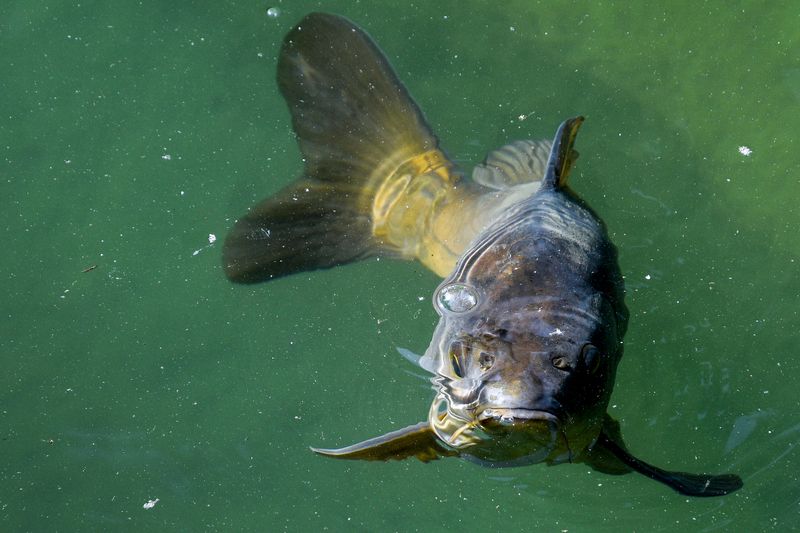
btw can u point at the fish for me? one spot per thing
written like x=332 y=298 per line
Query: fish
x=531 y=308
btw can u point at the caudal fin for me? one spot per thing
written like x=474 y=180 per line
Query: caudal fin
x=355 y=124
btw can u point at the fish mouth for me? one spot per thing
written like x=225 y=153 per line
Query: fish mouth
x=507 y=416
x=496 y=433
x=505 y=436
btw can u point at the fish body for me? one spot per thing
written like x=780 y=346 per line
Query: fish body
x=529 y=338
x=532 y=312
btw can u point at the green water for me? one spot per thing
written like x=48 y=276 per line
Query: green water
x=130 y=131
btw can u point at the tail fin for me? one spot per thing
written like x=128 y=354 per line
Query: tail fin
x=355 y=124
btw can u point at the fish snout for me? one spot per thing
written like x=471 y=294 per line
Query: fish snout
x=522 y=391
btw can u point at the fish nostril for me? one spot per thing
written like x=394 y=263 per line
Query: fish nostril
x=486 y=361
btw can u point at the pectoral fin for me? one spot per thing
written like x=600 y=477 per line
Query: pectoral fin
x=601 y=458
x=689 y=484
x=418 y=441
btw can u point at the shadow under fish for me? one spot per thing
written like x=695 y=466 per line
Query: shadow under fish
x=532 y=306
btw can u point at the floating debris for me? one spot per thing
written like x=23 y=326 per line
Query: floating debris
x=211 y=240
x=150 y=504
x=745 y=151
x=525 y=116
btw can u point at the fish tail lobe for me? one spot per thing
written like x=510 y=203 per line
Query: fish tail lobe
x=364 y=142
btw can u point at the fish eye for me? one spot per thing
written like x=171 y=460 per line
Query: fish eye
x=457 y=298
x=561 y=362
x=486 y=360
x=591 y=358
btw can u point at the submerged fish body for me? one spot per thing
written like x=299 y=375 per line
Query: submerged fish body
x=532 y=312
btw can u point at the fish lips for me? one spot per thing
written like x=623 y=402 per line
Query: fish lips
x=516 y=437
x=517 y=416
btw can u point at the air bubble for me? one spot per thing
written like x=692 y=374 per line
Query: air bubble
x=457 y=298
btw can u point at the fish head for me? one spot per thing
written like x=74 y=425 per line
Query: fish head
x=520 y=378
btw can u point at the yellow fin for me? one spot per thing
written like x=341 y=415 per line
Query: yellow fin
x=417 y=441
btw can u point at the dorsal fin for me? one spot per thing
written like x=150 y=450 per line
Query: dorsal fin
x=523 y=161
x=561 y=155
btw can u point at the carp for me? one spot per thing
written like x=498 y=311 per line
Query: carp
x=532 y=311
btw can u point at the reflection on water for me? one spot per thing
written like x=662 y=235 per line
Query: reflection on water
x=744 y=427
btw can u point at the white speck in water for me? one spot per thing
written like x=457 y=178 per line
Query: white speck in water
x=273 y=12
x=150 y=504
x=166 y=157
x=524 y=116
x=211 y=240
x=647 y=276
x=745 y=151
